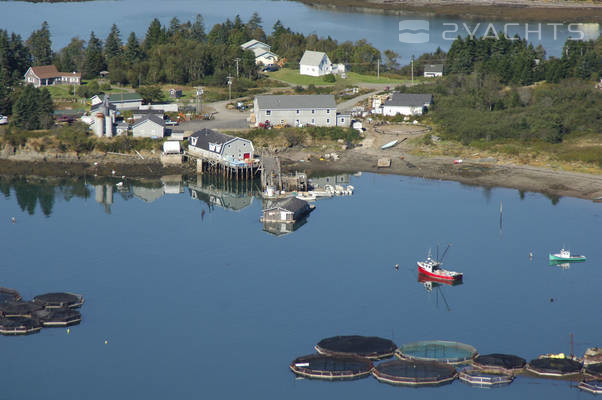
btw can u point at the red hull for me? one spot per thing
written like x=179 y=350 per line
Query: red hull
x=424 y=278
x=441 y=278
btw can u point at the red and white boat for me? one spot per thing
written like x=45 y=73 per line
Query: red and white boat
x=432 y=269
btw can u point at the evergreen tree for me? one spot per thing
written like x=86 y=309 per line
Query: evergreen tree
x=71 y=58
x=197 y=31
x=33 y=108
x=154 y=35
x=5 y=92
x=94 y=61
x=133 y=52
x=113 y=44
x=40 y=46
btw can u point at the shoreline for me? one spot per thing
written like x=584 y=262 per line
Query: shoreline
x=509 y=10
x=549 y=182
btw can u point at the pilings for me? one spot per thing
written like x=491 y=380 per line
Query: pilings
x=243 y=172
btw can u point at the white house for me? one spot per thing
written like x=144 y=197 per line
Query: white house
x=212 y=145
x=48 y=75
x=262 y=52
x=407 y=104
x=315 y=63
x=149 y=127
x=433 y=70
x=298 y=110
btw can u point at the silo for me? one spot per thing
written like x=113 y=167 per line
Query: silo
x=108 y=127
x=99 y=124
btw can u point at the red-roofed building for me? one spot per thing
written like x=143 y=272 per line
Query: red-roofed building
x=48 y=75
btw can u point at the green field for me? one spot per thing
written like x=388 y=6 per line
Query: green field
x=293 y=77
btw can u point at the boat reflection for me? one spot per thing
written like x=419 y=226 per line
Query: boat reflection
x=564 y=265
x=431 y=284
x=437 y=282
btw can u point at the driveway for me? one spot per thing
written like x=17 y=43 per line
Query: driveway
x=223 y=118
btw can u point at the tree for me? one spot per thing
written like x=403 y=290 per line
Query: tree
x=71 y=57
x=113 y=44
x=151 y=94
x=133 y=52
x=391 y=59
x=197 y=31
x=94 y=61
x=154 y=35
x=33 y=108
x=5 y=92
x=40 y=46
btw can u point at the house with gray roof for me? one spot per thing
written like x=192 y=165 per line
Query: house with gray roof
x=315 y=63
x=150 y=126
x=297 y=110
x=433 y=70
x=262 y=52
x=212 y=145
x=407 y=104
x=122 y=101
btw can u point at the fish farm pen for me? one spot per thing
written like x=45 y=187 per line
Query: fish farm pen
x=555 y=367
x=437 y=350
x=414 y=372
x=499 y=363
x=370 y=347
x=320 y=366
x=594 y=370
x=477 y=377
x=48 y=310
x=593 y=386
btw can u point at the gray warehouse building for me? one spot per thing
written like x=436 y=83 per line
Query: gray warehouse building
x=298 y=110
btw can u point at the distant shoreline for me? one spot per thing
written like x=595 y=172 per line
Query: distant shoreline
x=515 y=10
x=549 y=182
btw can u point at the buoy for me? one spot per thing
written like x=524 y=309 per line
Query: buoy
x=68 y=331
x=530 y=254
x=13 y=219
x=106 y=342
x=396 y=266
x=113 y=172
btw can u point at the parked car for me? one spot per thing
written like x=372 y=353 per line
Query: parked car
x=65 y=119
x=270 y=68
x=3 y=119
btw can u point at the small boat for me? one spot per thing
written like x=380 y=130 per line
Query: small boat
x=565 y=255
x=307 y=196
x=432 y=269
x=389 y=145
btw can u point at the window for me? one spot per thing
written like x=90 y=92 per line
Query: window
x=298 y=112
x=313 y=111
x=268 y=112
x=328 y=111
x=342 y=119
x=313 y=121
x=328 y=120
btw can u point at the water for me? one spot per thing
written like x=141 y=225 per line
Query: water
x=196 y=300
x=67 y=20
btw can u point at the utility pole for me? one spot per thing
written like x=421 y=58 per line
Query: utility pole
x=237 y=60
x=412 y=69
x=229 y=87
x=378 y=69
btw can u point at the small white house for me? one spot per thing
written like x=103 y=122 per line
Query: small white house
x=315 y=63
x=149 y=127
x=433 y=70
x=407 y=104
x=262 y=52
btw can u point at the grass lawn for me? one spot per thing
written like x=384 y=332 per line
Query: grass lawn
x=293 y=77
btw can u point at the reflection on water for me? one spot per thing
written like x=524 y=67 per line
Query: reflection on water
x=283 y=228
x=229 y=195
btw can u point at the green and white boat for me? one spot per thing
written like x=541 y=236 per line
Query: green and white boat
x=565 y=255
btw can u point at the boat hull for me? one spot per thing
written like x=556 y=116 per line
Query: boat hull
x=425 y=278
x=440 y=278
x=554 y=257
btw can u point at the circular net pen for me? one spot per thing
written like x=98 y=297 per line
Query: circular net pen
x=18 y=309
x=320 y=366
x=19 y=326
x=556 y=367
x=594 y=370
x=371 y=347
x=59 y=300
x=593 y=386
x=499 y=363
x=437 y=350
x=58 y=317
x=414 y=372
x=479 y=378
x=7 y=294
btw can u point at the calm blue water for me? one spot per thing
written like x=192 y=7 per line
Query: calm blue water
x=198 y=301
x=78 y=19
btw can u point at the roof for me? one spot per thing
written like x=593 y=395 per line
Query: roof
x=152 y=118
x=121 y=97
x=50 y=71
x=433 y=68
x=252 y=43
x=294 y=101
x=291 y=204
x=206 y=136
x=312 y=58
x=101 y=107
x=409 y=99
